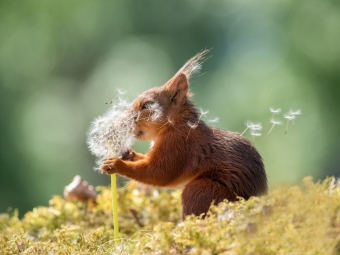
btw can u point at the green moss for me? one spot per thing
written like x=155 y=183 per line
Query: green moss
x=289 y=220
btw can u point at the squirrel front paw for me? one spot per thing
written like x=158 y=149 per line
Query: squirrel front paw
x=110 y=165
x=129 y=155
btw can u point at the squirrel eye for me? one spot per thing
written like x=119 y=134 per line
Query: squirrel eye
x=147 y=105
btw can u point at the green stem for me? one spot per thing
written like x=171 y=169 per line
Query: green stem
x=271 y=129
x=114 y=206
x=244 y=131
x=287 y=126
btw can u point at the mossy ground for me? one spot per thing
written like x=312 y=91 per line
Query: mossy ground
x=301 y=219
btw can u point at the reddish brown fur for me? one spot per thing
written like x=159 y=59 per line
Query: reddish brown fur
x=210 y=164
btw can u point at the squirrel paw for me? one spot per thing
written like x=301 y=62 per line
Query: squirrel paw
x=128 y=155
x=109 y=166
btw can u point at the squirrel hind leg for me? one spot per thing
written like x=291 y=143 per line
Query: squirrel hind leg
x=199 y=194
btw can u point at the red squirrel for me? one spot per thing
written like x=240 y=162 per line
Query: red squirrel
x=210 y=164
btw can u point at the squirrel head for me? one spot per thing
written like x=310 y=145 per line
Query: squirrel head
x=161 y=107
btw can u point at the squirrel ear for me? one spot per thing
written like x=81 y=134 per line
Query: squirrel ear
x=179 y=83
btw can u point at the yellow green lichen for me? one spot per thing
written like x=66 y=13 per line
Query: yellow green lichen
x=301 y=219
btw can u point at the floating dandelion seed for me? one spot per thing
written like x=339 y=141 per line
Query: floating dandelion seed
x=294 y=113
x=253 y=135
x=195 y=125
x=274 y=112
x=291 y=116
x=248 y=124
x=288 y=117
x=297 y=112
x=273 y=122
x=213 y=121
x=256 y=127
x=252 y=126
x=254 y=130
x=203 y=113
x=121 y=92
x=216 y=120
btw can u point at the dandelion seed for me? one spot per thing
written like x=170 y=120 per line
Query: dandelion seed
x=213 y=121
x=297 y=112
x=192 y=125
x=195 y=125
x=216 y=120
x=196 y=68
x=253 y=135
x=156 y=111
x=256 y=127
x=288 y=117
x=274 y=111
x=294 y=113
x=203 y=113
x=248 y=124
x=252 y=126
x=121 y=92
x=170 y=121
x=254 y=130
x=273 y=122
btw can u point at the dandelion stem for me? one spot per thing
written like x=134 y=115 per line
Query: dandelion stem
x=244 y=131
x=271 y=129
x=287 y=126
x=272 y=118
x=114 y=207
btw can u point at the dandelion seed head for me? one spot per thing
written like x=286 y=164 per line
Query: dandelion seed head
x=275 y=111
x=112 y=133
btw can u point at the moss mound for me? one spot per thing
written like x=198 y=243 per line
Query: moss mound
x=289 y=220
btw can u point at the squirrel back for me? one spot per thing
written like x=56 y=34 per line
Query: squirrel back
x=210 y=164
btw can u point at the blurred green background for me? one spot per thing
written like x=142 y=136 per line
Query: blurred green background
x=60 y=61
